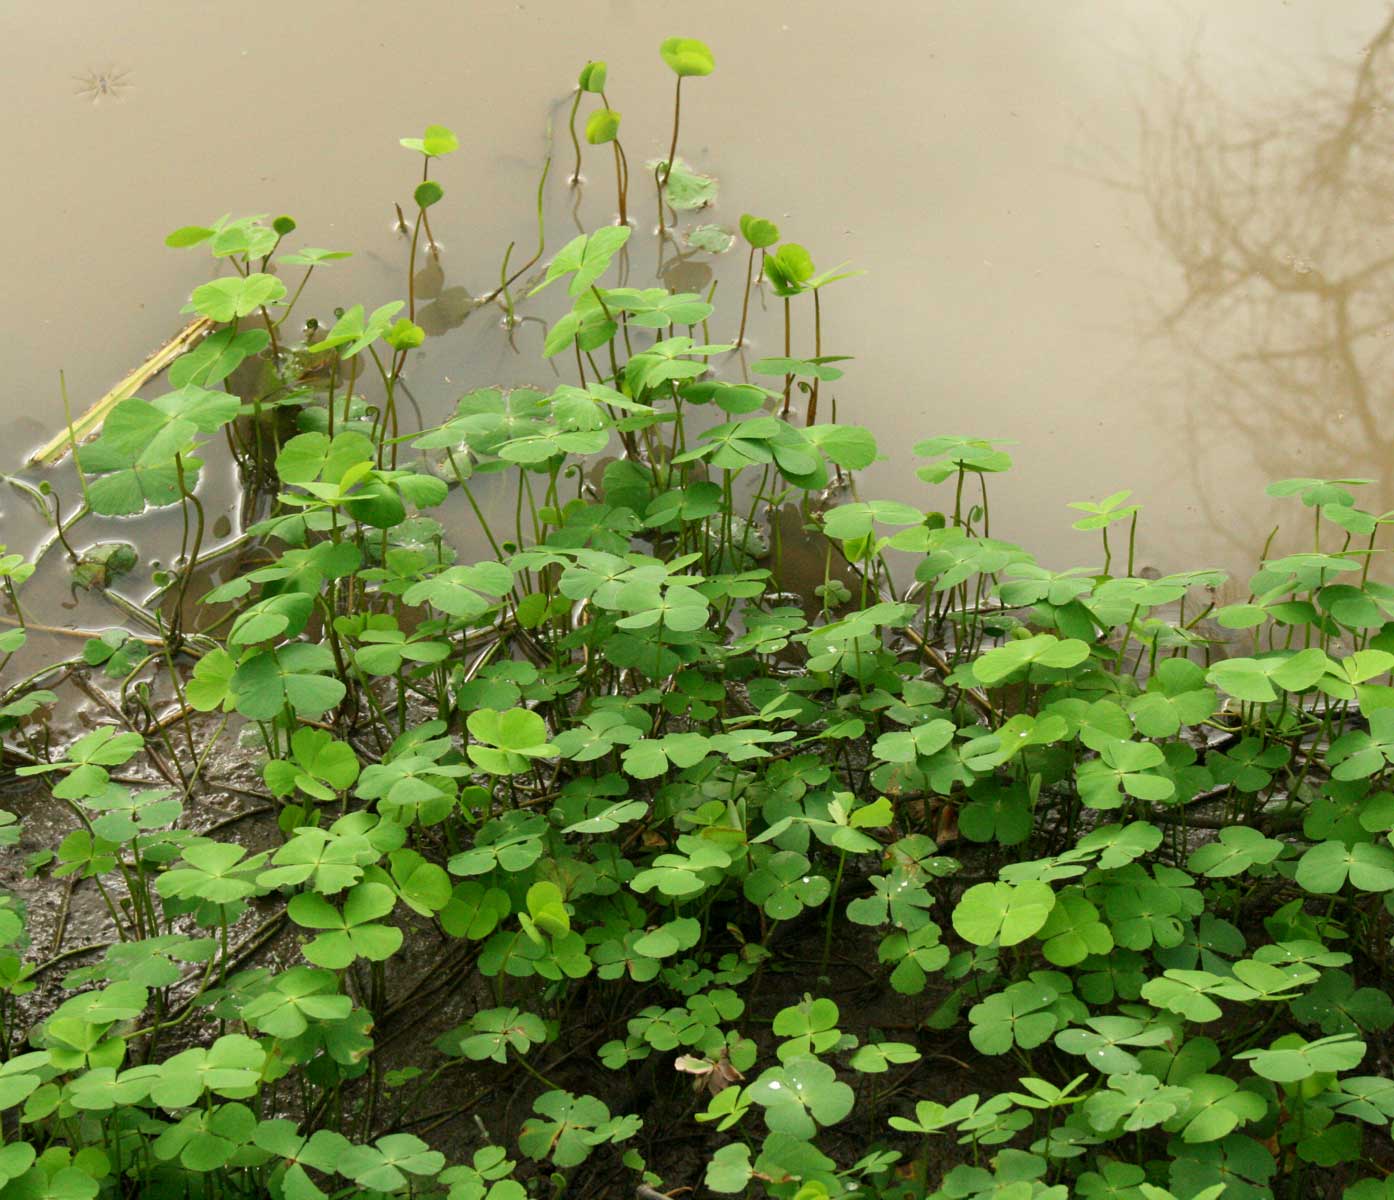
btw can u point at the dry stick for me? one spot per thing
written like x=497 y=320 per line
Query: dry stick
x=85 y=634
x=55 y=448
x=98 y=697
x=817 y=353
x=64 y=955
x=263 y=933
x=232 y=820
x=60 y=926
x=448 y=1114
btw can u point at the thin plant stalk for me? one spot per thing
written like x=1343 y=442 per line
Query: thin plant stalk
x=575 y=141
x=672 y=151
x=621 y=172
x=832 y=911
x=176 y=620
x=431 y=244
x=621 y=181
x=745 y=303
x=502 y=289
x=788 y=379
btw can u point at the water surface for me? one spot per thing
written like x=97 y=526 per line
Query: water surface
x=1013 y=177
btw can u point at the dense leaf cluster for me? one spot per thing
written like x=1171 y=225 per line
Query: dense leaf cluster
x=620 y=778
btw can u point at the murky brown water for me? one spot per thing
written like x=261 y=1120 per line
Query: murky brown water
x=1145 y=240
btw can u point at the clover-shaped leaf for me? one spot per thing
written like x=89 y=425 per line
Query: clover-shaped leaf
x=294 y=999
x=809 y=1027
x=876 y=1058
x=226 y=299
x=474 y=911
x=1326 y=867
x=218 y=872
x=1237 y=849
x=1074 y=930
x=296 y=674
x=783 y=886
x=125 y=814
x=1258 y=680
x=385 y=1165
x=1338 y=1006
x=586 y=258
x=87 y=760
x=231 y=1066
x=434 y=143
x=1290 y=1059
x=1176 y=695
x=898 y=900
x=1042 y=650
x=511 y=739
x=1359 y=754
x=1248 y=765
x=850 y=521
x=917 y=953
x=1123 y=769
x=1133 y=1102
x=328 y=860
x=1104 y=512
x=320 y=767
x=571 y=1126
x=1106 y=1042
x=492 y=1032
x=1019 y=1015
x=511 y=843
x=685 y=874
x=351 y=933
x=800 y=1095
x=1003 y=912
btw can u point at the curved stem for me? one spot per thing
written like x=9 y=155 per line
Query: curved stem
x=788 y=379
x=673 y=145
x=176 y=620
x=308 y=272
x=745 y=304
x=619 y=182
x=426 y=220
x=541 y=240
x=411 y=266
x=667 y=167
x=575 y=106
x=624 y=186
